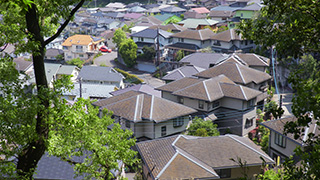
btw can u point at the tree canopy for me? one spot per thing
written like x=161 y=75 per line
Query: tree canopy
x=119 y=36
x=128 y=51
x=200 y=127
x=291 y=26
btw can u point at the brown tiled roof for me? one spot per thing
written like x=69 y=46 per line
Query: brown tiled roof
x=80 y=40
x=177 y=85
x=277 y=125
x=221 y=14
x=170 y=26
x=182 y=156
x=203 y=34
x=139 y=106
x=227 y=36
x=22 y=64
x=253 y=59
x=236 y=72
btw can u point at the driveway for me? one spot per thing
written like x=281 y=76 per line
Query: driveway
x=106 y=59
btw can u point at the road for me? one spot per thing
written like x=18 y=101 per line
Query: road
x=286 y=102
x=108 y=60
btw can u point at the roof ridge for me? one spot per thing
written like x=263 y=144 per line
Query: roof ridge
x=249 y=147
x=167 y=165
x=206 y=89
x=240 y=72
x=151 y=107
x=244 y=94
x=136 y=108
x=200 y=34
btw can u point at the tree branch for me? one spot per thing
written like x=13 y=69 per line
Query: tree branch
x=74 y=10
x=70 y=161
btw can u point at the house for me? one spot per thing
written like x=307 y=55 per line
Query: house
x=194 y=15
x=191 y=157
x=148 y=116
x=137 y=9
x=179 y=73
x=230 y=41
x=189 y=41
x=168 y=18
x=281 y=145
x=116 y=5
x=174 y=28
x=23 y=66
x=221 y=15
x=52 y=53
x=144 y=88
x=201 y=10
x=81 y=46
x=88 y=26
x=115 y=15
x=148 y=37
x=239 y=74
x=254 y=61
x=209 y=3
x=248 y=12
x=197 y=24
x=231 y=106
x=203 y=60
x=132 y=16
x=88 y=90
x=173 y=10
x=101 y=75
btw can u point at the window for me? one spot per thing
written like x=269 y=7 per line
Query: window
x=249 y=123
x=280 y=140
x=224 y=173
x=215 y=104
x=178 y=122
x=201 y=104
x=250 y=103
x=216 y=43
x=241 y=14
x=80 y=55
x=127 y=124
x=65 y=47
x=246 y=42
x=180 y=40
x=163 y=130
x=180 y=100
x=140 y=39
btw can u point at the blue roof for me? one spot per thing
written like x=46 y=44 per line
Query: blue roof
x=225 y=8
x=163 y=17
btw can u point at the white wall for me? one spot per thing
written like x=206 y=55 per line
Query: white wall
x=232 y=103
x=170 y=128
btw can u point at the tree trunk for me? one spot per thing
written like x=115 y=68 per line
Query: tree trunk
x=30 y=156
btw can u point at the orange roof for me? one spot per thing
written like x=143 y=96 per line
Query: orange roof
x=81 y=40
x=201 y=10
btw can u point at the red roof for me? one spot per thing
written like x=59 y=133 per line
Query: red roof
x=201 y=10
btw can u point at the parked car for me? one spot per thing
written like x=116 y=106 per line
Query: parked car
x=105 y=49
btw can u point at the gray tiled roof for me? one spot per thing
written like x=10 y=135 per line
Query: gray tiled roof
x=98 y=73
x=67 y=69
x=184 y=71
x=253 y=59
x=238 y=73
x=197 y=157
x=91 y=90
x=194 y=23
x=145 y=88
x=151 y=33
x=21 y=64
x=138 y=107
x=204 y=60
x=227 y=36
x=203 y=34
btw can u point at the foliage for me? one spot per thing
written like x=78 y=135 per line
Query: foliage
x=180 y=54
x=173 y=21
x=97 y=55
x=292 y=26
x=264 y=133
x=60 y=57
x=200 y=127
x=130 y=77
x=103 y=65
x=76 y=61
x=128 y=52
x=222 y=28
x=119 y=36
x=182 y=16
x=207 y=50
x=126 y=28
x=74 y=130
x=148 y=53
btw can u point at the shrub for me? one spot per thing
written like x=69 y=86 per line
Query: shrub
x=130 y=77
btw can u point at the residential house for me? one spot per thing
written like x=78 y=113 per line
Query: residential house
x=108 y=35
x=248 y=12
x=88 y=91
x=182 y=72
x=230 y=41
x=101 y=75
x=189 y=41
x=52 y=53
x=201 y=10
x=209 y=3
x=106 y=9
x=203 y=60
x=148 y=116
x=165 y=2
x=115 y=15
x=137 y=9
x=116 y=5
x=281 y=145
x=88 y=26
x=148 y=37
x=239 y=74
x=191 y=157
x=197 y=24
x=56 y=43
x=173 y=10
x=105 y=24
x=254 y=61
x=193 y=15
x=23 y=66
x=144 y=88
x=221 y=15
x=132 y=16
x=174 y=28
x=81 y=46
x=168 y=18
x=231 y=106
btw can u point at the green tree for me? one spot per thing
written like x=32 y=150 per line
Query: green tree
x=60 y=57
x=180 y=54
x=292 y=26
x=148 y=52
x=200 y=127
x=119 y=36
x=30 y=124
x=128 y=52
x=77 y=62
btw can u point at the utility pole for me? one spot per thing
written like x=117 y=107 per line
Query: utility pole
x=158 y=50
x=80 y=84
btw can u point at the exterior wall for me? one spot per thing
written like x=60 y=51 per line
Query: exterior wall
x=170 y=128
x=148 y=40
x=244 y=14
x=119 y=84
x=169 y=96
x=190 y=41
x=286 y=151
x=238 y=172
x=251 y=114
x=259 y=68
x=144 y=129
x=232 y=103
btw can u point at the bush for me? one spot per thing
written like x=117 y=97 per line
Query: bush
x=77 y=62
x=130 y=77
x=200 y=127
